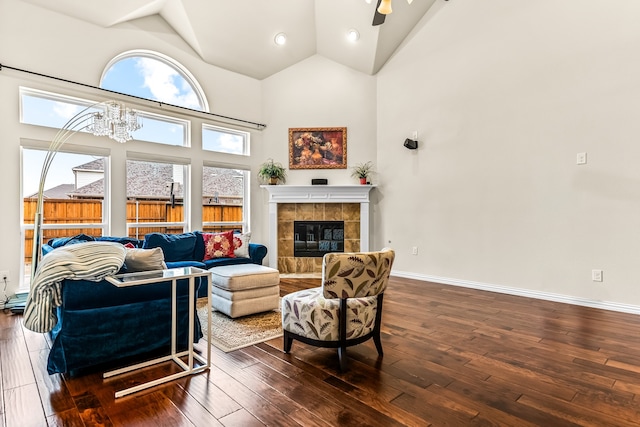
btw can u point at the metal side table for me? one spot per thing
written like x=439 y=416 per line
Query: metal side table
x=171 y=275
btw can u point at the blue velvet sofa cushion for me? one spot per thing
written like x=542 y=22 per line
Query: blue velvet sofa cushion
x=180 y=264
x=199 y=250
x=80 y=238
x=122 y=240
x=176 y=247
x=63 y=241
x=100 y=323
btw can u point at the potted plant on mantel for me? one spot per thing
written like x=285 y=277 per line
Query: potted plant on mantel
x=272 y=172
x=362 y=171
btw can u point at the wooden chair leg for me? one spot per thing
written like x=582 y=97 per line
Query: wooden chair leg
x=376 y=328
x=288 y=341
x=342 y=358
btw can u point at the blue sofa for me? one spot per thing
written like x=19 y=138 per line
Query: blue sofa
x=187 y=250
x=102 y=326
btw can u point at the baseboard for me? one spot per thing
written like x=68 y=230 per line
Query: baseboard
x=604 y=305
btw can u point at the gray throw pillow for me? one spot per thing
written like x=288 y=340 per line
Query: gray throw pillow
x=144 y=260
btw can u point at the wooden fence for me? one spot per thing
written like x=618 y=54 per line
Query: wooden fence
x=78 y=211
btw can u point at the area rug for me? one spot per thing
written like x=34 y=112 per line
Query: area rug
x=232 y=334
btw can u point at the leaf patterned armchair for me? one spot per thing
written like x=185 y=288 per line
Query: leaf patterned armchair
x=346 y=310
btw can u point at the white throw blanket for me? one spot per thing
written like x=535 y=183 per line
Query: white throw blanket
x=83 y=261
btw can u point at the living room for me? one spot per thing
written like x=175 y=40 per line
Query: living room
x=503 y=96
x=494 y=182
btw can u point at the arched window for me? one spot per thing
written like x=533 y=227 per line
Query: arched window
x=154 y=76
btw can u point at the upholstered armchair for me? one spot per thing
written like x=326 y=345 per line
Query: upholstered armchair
x=346 y=310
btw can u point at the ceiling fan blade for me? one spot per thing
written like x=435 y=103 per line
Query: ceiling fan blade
x=378 y=18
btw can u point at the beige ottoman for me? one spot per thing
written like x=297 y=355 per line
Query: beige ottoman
x=242 y=289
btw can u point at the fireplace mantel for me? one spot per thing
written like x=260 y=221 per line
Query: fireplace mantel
x=316 y=194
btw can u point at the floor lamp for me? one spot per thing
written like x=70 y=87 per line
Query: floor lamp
x=107 y=118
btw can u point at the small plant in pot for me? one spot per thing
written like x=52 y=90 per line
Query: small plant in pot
x=272 y=172
x=362 y=171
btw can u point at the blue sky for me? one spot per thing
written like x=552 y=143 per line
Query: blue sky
x=59 y=173
x=152 y=79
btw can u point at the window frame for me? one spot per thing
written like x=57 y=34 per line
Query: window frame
x=246 y=138
x=244 y=224
x=104 y=225
x=186 y=197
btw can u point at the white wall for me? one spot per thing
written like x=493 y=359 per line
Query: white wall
x=504 y=94
x=318 y=92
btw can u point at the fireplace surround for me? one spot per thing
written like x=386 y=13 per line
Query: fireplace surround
x=288 y=203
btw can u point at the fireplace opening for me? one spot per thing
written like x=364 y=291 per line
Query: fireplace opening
x=316 y=238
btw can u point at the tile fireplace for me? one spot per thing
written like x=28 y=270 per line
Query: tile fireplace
x=292 y=204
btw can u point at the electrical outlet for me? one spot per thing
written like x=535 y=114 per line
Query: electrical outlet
x=596 y=275
x=581 y=159
x=4 y=276
x=414 y=250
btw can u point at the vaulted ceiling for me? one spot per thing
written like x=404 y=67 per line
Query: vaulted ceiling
x=238 y=35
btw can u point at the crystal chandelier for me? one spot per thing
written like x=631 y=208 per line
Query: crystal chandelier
x=115 y=121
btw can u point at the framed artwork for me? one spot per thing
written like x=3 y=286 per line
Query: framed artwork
x=318 y=148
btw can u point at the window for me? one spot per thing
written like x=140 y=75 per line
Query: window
x=49 y=109
x=53 y=110
x=223 y=199
x=155 y=198
x=225 y=140
x=152 y=75
x=163 y=130
x=74 y=197
x=157 y=180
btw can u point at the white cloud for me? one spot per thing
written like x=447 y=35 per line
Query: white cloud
x=65 y=110
x=231 y=143
x=166 y=84
x=223 y=142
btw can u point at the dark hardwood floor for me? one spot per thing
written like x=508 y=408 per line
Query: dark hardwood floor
x=453 y=357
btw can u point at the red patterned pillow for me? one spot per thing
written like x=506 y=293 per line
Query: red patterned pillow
x=218 y=245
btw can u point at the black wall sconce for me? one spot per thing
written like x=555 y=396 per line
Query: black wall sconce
x=411 y=144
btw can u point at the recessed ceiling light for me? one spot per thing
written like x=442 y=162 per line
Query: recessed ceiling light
x=280 y=39
x=353 y=35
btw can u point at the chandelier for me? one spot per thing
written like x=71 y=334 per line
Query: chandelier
x=384 y=7
x=115 y=121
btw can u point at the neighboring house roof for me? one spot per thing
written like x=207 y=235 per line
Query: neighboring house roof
x=94 y=165
x=61 y=191
x=89 y=191
x=149 y=181
x=227 y=182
